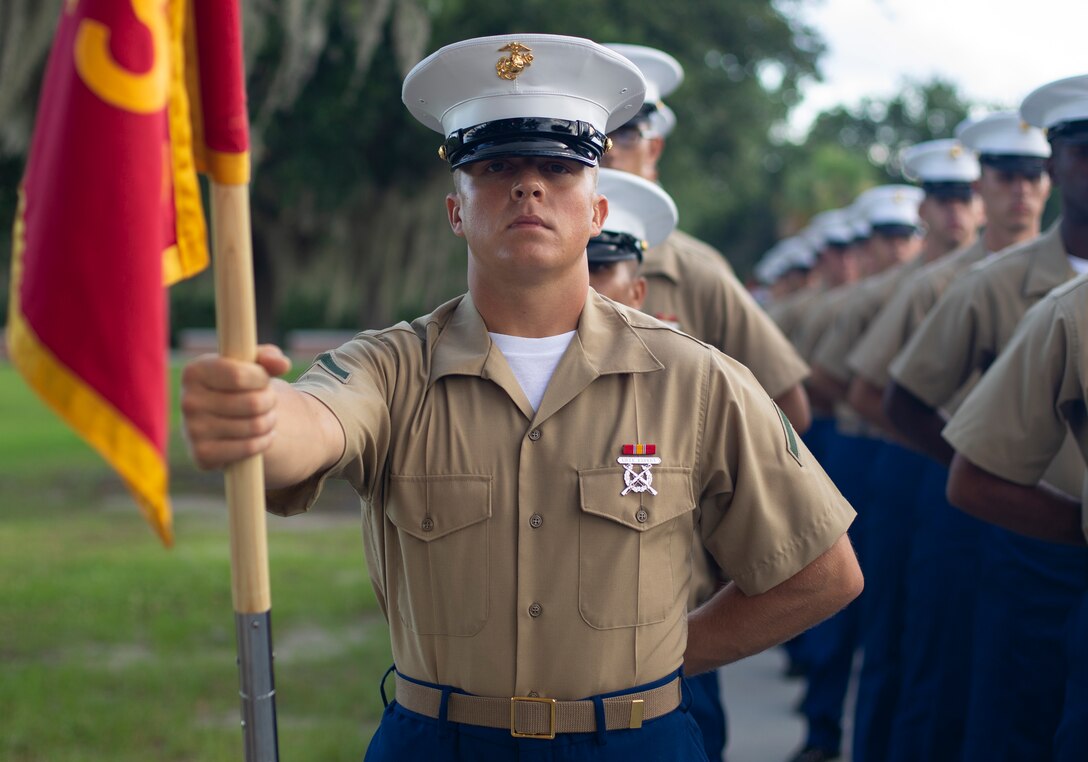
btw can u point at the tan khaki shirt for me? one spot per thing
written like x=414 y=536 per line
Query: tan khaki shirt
x=818 y=319
x=854 y=317
x=788 y=313
x=907 y=308
x=509 y=550
x=693 y=287
x=974 y=320
x=1017 y=419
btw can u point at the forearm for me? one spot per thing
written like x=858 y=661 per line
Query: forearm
x=1038 y=511
x=918 y=423
x=732 y=625
x=868 y=400
x=820 y=404
x=308 y=438
x=828 y=387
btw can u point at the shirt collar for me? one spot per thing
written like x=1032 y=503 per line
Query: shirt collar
x=662 y=259
x=605 y=343
x=1050 y=265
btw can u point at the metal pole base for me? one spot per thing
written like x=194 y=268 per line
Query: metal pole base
x=256 y=686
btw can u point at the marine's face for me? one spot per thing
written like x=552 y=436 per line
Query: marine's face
x=951 y=221
x=619 y=281
x=891 y=250
x=634 y=150
x=839 y=263
x=1013 y=200
x=525 y=217
x=1069 y=165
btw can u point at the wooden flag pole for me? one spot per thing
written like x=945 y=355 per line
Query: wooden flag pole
x=236 y=318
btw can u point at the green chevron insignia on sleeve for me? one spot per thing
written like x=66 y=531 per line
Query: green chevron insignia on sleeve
x=325 y=361
x=791 y=435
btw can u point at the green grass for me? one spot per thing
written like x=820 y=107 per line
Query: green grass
x=112 y=647
x=31 y=439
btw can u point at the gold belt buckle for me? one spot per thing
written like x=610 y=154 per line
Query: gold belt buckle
x=551 y=720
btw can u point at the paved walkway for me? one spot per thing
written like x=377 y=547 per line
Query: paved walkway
x=760 y=700
x=763 y=726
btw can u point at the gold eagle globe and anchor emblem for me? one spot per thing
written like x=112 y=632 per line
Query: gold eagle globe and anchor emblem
x=513 y=65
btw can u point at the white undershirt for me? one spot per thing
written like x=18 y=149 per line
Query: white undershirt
x=1079 y=265
x=532 y=360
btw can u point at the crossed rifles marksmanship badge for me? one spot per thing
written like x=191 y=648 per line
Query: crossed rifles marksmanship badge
x=638 y=455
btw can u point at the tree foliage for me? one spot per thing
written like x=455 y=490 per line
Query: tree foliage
x=851 y=148
x=880 y=128
x=348 y=216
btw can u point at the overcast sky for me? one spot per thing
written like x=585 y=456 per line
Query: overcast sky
x=994 y=51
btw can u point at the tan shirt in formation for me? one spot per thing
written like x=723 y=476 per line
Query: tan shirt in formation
x=511 y=552
x=855 y=315
x=1018 y=417
x=692 y=286
x=818 y=319
x=908 y=306
x=966 y=330
x=974 y=321
x=788 y=313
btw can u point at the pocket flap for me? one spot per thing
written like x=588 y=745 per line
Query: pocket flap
x=602 y=488
x=431 y=507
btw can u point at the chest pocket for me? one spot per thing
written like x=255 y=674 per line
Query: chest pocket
x=634 y=550
x=438 y=552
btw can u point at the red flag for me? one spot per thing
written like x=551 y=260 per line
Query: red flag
x=109 y=214
x=216 y=85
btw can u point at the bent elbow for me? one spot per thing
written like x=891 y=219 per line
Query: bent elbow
x=848 y=581
x=961 y=491
x=893 y=404
x=853 y=584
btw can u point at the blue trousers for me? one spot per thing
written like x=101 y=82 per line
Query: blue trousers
x=708 y=709
x=936 y=644
x=818 y=439
x=1028 y=590
x=894 y=479
x=404 y=736
x=819 y=434
x=1071 y=741
x=831 y=644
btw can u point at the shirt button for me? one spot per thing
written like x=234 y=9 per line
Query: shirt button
x=428 y=524
x=534 y=434
x=641 y=515
x=535 y=610
x=536 y=520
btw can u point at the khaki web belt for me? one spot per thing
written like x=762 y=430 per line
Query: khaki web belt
x=532 y=717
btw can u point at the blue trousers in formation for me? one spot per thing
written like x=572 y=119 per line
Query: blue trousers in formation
x=817 y=439
x=708 y=709
x=830 y=645
x=942 y=577
x=1071 y=741
x=1027 y=593
x=404 y=735
x=894 y=480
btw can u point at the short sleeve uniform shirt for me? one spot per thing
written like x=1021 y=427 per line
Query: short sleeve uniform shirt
x=1018 y=417
x=975 y=318
x=905 y=311
x=693 y=287
x=510 y=551
x=819 y=318
x=788 y=312
x=855 y=316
